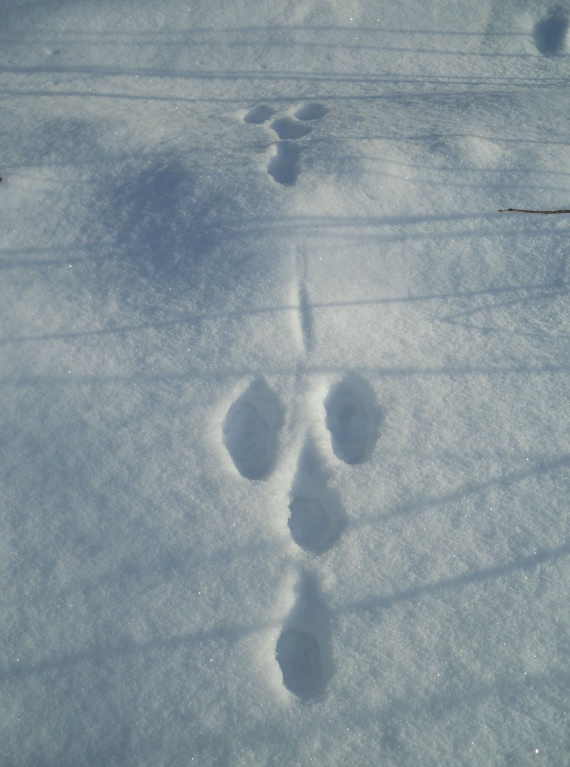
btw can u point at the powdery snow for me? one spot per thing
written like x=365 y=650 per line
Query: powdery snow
x=285 y=454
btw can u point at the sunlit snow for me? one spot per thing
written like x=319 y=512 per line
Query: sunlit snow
x=285 y=454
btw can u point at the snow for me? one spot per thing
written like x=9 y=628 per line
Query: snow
x=285 y=455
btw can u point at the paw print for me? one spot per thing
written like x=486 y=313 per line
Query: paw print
x=283 y=165
x=316 y=518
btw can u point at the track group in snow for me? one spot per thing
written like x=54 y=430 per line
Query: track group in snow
x=283 y=166
x=250 y=434
x=316 y=515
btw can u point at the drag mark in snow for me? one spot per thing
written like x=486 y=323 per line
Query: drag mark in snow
x=250 y=430
x=352 y=419
x=305 y=315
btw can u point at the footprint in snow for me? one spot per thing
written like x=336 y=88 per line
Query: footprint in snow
x=550 y=32
x=311 y=111
x=303 y=648
x=250 y=430
x=290 y=129
x=258 y=114
x=352 y=418
x=283 y=166
x=316 y=517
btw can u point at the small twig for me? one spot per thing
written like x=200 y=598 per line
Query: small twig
x=520 y=210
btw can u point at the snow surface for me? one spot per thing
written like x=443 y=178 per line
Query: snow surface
x=285 y=446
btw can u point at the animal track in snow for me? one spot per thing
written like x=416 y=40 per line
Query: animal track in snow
x=352 y=419
x=258 y=114
x=298 y=654
x=309 y=523
x=250 y=430
x=290 y=129
x=311 y=111
x=303 y=648
x=283 y=165
x=316 y=515
x=550 y=32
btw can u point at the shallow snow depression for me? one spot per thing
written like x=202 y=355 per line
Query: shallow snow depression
x=285 y=453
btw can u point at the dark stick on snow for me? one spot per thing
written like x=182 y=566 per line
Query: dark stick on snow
x=520 y=210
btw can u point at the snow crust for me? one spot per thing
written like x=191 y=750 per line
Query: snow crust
x=285 y=454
